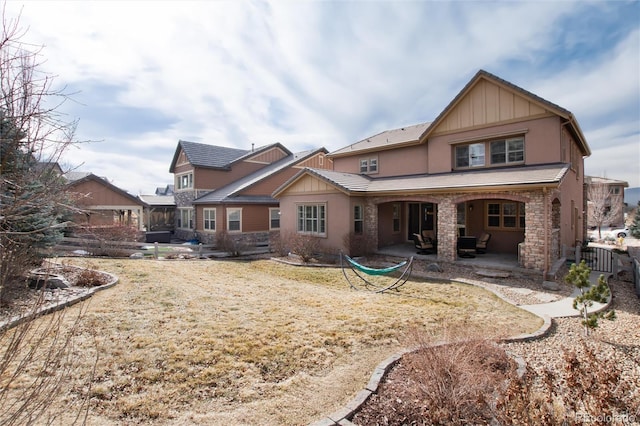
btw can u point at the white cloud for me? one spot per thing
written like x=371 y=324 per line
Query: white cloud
x=311 y=74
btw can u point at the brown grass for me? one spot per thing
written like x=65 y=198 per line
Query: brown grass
x=230 y=342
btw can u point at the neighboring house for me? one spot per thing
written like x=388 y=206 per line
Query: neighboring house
x=605 y=201
x=102 y=202
x=220 y=189
x=497 y=159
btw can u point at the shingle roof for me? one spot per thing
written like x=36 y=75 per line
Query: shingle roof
x=203 y=155
x=521 y=176
x=230 y=190
x=214 y=156
x=386 y=139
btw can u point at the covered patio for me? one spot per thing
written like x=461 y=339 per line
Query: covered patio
x=500 y=261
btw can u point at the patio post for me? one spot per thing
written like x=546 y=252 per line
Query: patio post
x=447 y=218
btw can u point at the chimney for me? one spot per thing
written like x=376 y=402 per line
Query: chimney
x=252 y=145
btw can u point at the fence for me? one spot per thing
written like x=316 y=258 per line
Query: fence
x=95 y=247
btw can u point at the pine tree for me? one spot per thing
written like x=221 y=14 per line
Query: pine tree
x=578 y=276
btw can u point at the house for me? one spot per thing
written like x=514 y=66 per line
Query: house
x=102 y=202
x=498 y=159
x=605 y=201
x=228 y=190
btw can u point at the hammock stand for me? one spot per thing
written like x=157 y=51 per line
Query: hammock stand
x=359 y=270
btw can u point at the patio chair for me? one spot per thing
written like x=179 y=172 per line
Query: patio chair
x=481 y=245
x=467 y=247
x=429 y=236
x=424 y=247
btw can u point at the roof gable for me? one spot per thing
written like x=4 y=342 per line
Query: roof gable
x=90 y=177
x=487 y=100
x=236 y=188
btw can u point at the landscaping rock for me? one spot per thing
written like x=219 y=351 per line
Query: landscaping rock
x=434 y=267
x=137 y=256
x=39 y=280
x=551 y=285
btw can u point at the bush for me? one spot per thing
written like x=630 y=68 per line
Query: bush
x=90 y=278
x=227 y=243
x=278 y=243
x=305 y=246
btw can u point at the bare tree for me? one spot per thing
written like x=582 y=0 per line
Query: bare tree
x=33 y=204
x=604 y=207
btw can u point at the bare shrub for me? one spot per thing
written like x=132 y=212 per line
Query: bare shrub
x=278 y=243
x=90 y=278
x=305 y=246
x=358 y=244
x=36 y=360
x=587 y=387
x=228 y=243
x=109 y=240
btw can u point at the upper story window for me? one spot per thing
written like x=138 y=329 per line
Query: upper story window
x=184 y=181
x=369 y=165
x=507 y=151
x=471 y=155
x=502 y=151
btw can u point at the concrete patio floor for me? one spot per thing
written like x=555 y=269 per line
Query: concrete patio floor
x=501 y=261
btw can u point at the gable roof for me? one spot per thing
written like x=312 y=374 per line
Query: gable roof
x=214 y=156
x=385 y=140
x=419 y=133
x=231 y=191
x=357 y=184
x=77 y=178
x=484 y=75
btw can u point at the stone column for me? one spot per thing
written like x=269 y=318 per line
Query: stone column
x=447 y=230
x=371 y=223
x=534 y=234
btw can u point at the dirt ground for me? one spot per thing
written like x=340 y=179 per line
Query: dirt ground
x=212 y=342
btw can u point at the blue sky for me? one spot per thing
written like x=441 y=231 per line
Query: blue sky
x=323 y=73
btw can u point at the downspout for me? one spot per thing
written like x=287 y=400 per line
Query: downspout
x=546 y=232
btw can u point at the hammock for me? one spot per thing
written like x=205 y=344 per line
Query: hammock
x=372 y=286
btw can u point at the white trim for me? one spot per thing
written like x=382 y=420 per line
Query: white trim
x=230 y=210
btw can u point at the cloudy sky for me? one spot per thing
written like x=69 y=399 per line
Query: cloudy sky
x=323 y=73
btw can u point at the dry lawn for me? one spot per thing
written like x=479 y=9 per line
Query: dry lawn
x=252 y=343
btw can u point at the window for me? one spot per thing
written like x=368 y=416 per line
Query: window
x=312 y=218
x=396 y=217
x=615 y=190
x=506 y=214
x=369 y=165
x=185 y=218
x=184 y=181
x=209 y=217
x=234 y=219
x=358 y=219
x=470 y=155
x=501 y=151
x=507 y=151
x=364 y=166
x=274 y=218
